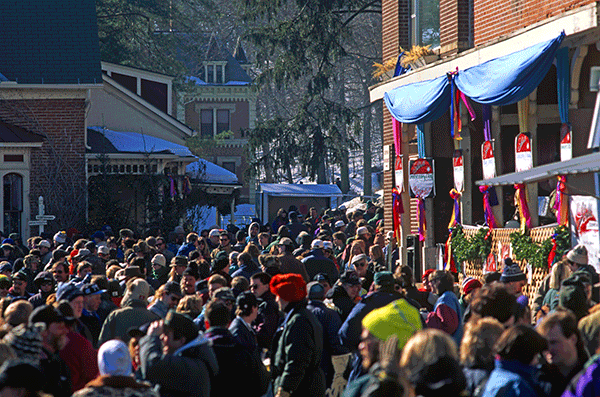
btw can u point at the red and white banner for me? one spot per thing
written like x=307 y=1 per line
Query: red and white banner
x=523 y=156
x=421 y=178
x=491 y=265
x=566 y=146
x=584 y=227
x=488 y=160
x=399 y=174
x=459 y=170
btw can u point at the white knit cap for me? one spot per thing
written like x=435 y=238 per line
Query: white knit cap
x=114 y=359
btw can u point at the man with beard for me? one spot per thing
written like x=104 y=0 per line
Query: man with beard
x=56 y=372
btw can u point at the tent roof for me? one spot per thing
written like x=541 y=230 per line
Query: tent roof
x=282 y=189
x=577 y=165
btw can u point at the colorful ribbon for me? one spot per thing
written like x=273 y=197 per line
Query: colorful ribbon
x=488 y=213
x=455 y=218
x=421 y=219
x=449 y=262
x=521 y=201
x=561 y=205
x=467 y=105
x=397 y=210
x=397 y=129
x=187 y=186
x=552 y=253
x=486 y=111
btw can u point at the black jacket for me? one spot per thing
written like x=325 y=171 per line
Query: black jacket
x=341 y=300
x=316 y=263
x=56 y=373
x=244 y=336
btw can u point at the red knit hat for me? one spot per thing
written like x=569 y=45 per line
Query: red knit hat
x=471 y=285
x=289 y=287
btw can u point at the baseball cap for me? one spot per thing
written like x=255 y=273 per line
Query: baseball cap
x=350 y=277
x=317 y=243
x=91 y=289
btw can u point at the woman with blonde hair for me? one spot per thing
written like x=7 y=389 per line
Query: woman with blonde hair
x=430 y=359
x=356 y=248
x=190 y=305
x=477 y=351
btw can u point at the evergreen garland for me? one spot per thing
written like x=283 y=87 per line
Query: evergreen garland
x=537 y=254
x=467 y=249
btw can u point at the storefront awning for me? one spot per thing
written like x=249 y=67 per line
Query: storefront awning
x=500 y=81
x=578 y=165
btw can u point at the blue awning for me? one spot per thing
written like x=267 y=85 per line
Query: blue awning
x=499 y=82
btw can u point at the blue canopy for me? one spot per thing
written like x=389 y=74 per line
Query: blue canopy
x=510 y=78
x=500 y=81
x=421 y=102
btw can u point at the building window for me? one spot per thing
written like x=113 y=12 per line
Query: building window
x=206 y=123
x=229 y=165
x=210 y=74
x=13 y=158
x=425 y=23
x=13 y=202
x=222 y=120
x=220 y=74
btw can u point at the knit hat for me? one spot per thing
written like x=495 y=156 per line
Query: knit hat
x=384 y=279
x=578 y=255
x=358 y=258
x=60 y=237
x=398 y=318
x=114 y=359
x=470 y=284
x=290 y=287
x=26 y=341
x=315 y=291
x=511 y=272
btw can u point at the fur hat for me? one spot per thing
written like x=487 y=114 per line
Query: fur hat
x=289 y=287
x=578 y=255
x=26 y=342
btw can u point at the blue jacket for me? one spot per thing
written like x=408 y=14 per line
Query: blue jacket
x=449 y=299
x=316 y=263
x=185 y=249
x=246 y=271
x=511 y=379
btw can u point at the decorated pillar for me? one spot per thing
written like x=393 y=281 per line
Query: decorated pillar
x=496 y=129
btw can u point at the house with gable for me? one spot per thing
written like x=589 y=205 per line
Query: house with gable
x=47 y=77
x=221 y=101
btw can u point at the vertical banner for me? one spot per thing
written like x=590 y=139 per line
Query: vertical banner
x=386 y=157
x=421 y=178
x=491 y=264
x=399 y=174
x=488 y=160
x=459 y=170
x=523 y=156
x=584 y=227
x=566 y=147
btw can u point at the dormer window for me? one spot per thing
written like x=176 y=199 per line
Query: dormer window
x=214 y=72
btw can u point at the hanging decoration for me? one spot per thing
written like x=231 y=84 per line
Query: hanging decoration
x=449 y=262
x=399 y=174
x=566 y=146
x=523 y=156
x=562 y=203
x=397 y=210
x=491 y=263
x=397 y=129
x=455 y=218
x=459 y=170
x=187 y=185
x=488 y=213
x=487 y=159
x=521 y=202
x=172 y=190
x=421 y=181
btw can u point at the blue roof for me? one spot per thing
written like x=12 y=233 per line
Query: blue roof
x=292 y=189
x=209 y=172
x=49 y=42
x=2 y=77
x=134 y=142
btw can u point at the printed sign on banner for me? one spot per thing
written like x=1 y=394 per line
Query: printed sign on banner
x=459 y=170
x=386 y=157
x=421 y=178
x=488 y=160
x=523 y=156
x=503 y=251
x=584 y=227
x=490 y=263
x=399 y=174
x=566 y=147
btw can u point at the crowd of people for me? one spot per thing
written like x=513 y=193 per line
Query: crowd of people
x=293 y=307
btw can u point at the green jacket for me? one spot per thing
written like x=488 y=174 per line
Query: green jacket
x=297 y=363
x=119 y=321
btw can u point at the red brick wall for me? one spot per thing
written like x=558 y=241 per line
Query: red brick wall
x=494 y=18
x=58 y=167
x=455 y=27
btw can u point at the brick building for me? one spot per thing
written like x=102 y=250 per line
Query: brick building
x=45 y=85
x=470 y=35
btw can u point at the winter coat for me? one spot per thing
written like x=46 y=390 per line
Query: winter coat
x=447 y=316
x=476 y=379
x=187 y=372
x=185 y=249
x=80 y=357
x=589 y=326
x=587 y=382
x=134 y=314
x=341 y=300
x=116 y=386
x=251 y=378
x=331 y=323
x=39 y=299
x=56 y=374
x=246 y=270
x=267 y=321
x=511 y=379
x=159 y=308
x=93 y=323
x=289 y=264
x=297 y=364
x=244 y=335
x=316 y=263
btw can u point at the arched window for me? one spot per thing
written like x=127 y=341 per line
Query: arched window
x=13 y=202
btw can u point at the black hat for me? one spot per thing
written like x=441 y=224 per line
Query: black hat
x=384 y=279
x=43 y=277
x=315 y=291
x=246 y=300
x=179 y=260
x=138 y=332
x=183 y=323
x=350 y=277
x=20 y=275
x=171 y=287
x=19 y=374
x=66 y=311
x=46 y=314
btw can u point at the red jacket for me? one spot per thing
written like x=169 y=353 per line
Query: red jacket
x=81 y=358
